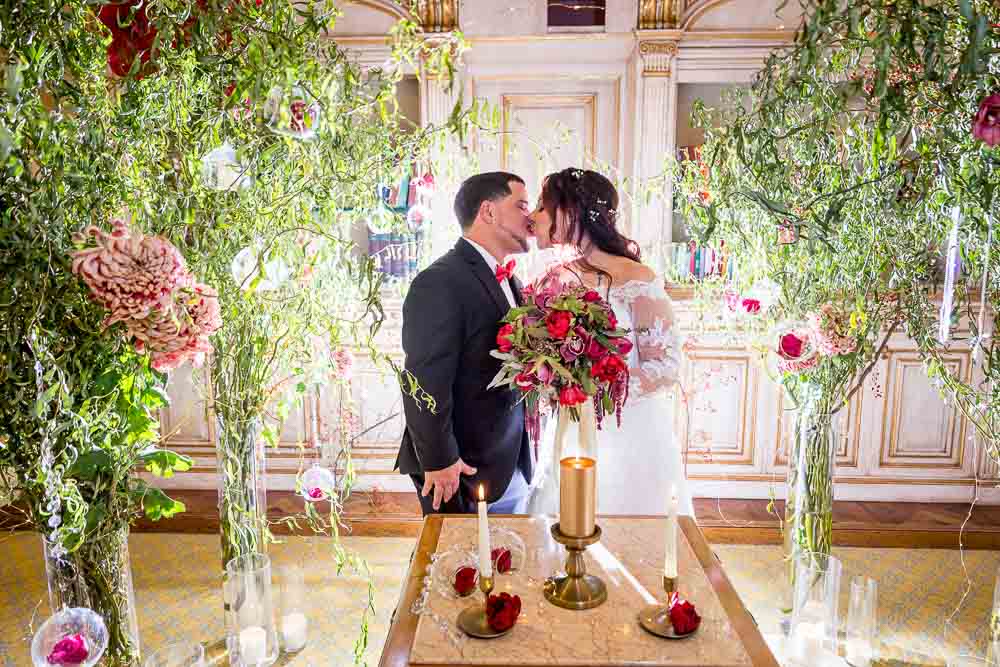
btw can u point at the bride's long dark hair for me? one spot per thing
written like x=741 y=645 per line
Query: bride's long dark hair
x=589 y=203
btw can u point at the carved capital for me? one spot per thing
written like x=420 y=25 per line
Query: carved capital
x=659 y=14
x=657 y=57
x=436 y=15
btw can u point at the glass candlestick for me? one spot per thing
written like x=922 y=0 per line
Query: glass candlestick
x=178 y=654
x=254 y=642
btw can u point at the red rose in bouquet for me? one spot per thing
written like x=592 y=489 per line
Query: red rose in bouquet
x=558 y=322
x=502 y=611
x=563 y=348
x=684 y=617
x=465 y=580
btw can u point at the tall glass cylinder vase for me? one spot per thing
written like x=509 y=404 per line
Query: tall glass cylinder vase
x=242 y=486
x=252 y=636
x=809 y=506
x=98 y=576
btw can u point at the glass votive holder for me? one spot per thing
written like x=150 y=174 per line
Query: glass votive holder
x=76 y=634
x=862 y=622
x=178 y=654
x=254 y=642
x=815 y=598
x=294 y=623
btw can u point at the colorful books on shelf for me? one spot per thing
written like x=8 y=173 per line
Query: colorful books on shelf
x=398 y=254
x=690 y=261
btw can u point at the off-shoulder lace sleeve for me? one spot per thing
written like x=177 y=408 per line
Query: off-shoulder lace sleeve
x=656 y=339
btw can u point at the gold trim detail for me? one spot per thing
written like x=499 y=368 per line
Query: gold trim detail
x=437 y=15
x=658 y=14
x=657 y=57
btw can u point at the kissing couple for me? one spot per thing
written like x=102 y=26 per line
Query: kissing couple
x=452 y=313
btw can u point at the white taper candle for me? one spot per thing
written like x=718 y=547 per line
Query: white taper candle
x=670 y=551
x=485 y=562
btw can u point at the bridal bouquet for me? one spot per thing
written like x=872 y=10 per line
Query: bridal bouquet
x=564 y=347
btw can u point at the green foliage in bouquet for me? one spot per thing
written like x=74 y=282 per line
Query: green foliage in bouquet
x=834 y=180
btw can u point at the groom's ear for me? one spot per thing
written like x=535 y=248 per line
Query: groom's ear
x=487 y=211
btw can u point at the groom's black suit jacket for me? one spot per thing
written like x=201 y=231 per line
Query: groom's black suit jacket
x=451 y=317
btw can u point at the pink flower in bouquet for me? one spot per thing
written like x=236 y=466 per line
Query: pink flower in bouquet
x=177 y=336
x=71 y=650
x=572 y=348
x=504 y=342
x=558 y=322
x=612 y=320
x=796 y=352
x=343 y=362
x=592 y=296
x=130 y=274
x=731 y=298
x=571 y=395
x=595 y=350
x=986 y=124
x=545 y=373
x=608 y=369
x=830 y=329
x=624 y=346
x=751 y=306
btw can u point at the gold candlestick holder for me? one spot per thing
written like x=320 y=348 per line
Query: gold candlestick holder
x=655 y=618
x=576 y=589
x=473 y=620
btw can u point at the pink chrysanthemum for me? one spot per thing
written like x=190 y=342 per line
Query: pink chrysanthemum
x=829 y=329
x=130 y=274
x=180 y=334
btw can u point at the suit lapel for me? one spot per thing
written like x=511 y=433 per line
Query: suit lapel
x=515 y=286
x=482 y=272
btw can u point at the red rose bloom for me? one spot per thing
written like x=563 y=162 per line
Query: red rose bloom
x=751 y=306
x=131 y=35
x=70 y=650
x=572 y=395
x=504 y=342
x=608 y=369
x=684 y=617
x=986 y=125
x=465 y=580
x=525 y=381
x=790 y=346
x=502 y=560
x=558 y=322
x=591 y=296
x=624 y=346
x=595 y=350
x=502 y=611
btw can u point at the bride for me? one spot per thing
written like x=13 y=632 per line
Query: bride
x=639 y=460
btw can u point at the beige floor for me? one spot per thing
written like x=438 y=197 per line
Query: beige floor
x=177 y=593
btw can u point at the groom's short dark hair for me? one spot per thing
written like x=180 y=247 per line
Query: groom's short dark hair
x=476 y=189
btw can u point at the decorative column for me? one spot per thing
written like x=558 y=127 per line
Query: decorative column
x=437 y=15
x=654 y=142
x=659 y=14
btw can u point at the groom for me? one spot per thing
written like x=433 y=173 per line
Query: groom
x=451 y=316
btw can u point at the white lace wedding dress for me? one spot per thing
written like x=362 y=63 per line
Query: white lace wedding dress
x=639 y=461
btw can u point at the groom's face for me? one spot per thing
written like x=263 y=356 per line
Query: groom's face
x=510 y=223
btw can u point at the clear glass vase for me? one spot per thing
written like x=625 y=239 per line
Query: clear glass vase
x=252 y=638
x=809 y=506
x=815 y=611
x=98 y=576
x=242 y=486
x=294 y=625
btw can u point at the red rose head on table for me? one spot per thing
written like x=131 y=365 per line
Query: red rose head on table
x=502 y=611
x=563 y=348
x=502 y=559
x=683 y=616
x=465 y=580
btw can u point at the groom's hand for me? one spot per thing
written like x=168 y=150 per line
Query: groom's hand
x=445 y=482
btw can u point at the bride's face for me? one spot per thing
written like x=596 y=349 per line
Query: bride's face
x=543 y=227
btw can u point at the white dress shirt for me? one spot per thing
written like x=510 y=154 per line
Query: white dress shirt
x=492 y=262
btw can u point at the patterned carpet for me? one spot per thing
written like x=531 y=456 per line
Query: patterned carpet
x=178 y=594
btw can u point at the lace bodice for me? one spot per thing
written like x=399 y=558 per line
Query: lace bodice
x=645 y=308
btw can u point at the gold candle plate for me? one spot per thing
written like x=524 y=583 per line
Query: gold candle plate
x=473 y=620
x=655 y=618
x=576 y=589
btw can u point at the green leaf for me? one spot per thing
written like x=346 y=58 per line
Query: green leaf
x=164 y=463
x=155 y=398
x=90 y=464
x=158 y=505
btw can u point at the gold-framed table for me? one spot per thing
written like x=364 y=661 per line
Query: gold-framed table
x=629 y=559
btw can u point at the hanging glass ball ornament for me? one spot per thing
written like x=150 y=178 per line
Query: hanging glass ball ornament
x=318 y=484
x=246 y=266
x=418 y=217
x=221 y=170
x=292 y=112
x=381 y=221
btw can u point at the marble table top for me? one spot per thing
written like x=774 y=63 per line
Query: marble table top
x=629 y=559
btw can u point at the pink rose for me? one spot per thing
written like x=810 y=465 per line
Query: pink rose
x=790 y=346
x=624 y=346
x=986 y=125
x=751 y=306
x=71 y=650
